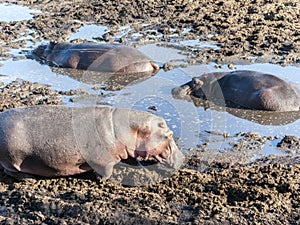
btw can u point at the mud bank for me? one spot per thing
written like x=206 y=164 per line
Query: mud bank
x=264 y=192
x=208 y=190
x=261 y=31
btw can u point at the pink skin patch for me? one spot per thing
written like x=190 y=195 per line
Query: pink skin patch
x=159 y=154
x=154 y=140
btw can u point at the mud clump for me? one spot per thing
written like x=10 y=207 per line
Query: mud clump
x=24 y=93
x=290 y=144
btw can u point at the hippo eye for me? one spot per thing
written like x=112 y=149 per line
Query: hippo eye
x=162 y=125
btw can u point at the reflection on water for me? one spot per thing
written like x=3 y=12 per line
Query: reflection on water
x=33 y=71
x=89 y=32
x=106 y=80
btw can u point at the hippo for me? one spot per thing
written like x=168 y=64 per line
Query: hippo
x=51 y=141
x=112 y=58
x=243 y=89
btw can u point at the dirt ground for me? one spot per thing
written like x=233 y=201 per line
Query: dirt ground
x=257 y=30
x=205 y=191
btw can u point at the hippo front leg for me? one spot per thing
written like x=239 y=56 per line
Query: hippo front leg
x=103 y=172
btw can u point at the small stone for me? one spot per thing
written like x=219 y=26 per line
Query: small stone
x=230 y=66
x=168 y=66
x=154 y=108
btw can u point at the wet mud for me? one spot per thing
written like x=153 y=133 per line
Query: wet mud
x=211 y=188
x=264 y=192
x=245 y=30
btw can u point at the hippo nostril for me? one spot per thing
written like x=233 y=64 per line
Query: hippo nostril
x=169 y=135
x=162 y=125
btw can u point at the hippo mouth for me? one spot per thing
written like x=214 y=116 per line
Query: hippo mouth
x=187 y=90
x=157 y=154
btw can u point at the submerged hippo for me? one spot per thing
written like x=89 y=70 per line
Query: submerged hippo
x=60 y=141
x=112 y=58
x=244 y=89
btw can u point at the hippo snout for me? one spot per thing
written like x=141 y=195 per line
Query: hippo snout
x=166 y=154
x=188 y=88
x=181 y=92
x=176 y=158
x=171 y=156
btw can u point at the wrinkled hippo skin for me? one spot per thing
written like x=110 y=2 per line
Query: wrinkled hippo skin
x=243 y=89
x=111 y=58
x=60 y=141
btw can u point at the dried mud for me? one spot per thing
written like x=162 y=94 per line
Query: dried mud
x=211 y=190
x=24 y=93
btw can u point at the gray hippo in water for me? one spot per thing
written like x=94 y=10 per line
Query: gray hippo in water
x=243 y=89
x=60 y=141
x=113 y=58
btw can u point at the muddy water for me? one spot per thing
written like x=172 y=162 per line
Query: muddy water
x=194 y=126
x=263 y=192
x=12 y=12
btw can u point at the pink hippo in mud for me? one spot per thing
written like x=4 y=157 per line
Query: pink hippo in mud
x=55 y=141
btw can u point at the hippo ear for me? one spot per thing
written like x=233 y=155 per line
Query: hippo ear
x=162 y=125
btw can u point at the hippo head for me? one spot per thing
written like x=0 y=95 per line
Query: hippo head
x=155 y=139
x=152 y=138
x=44 y=52
x=193 y=87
